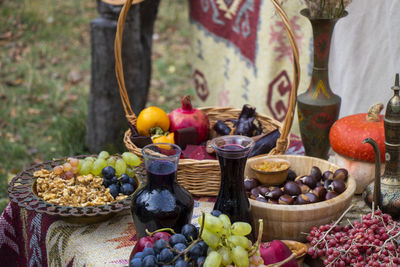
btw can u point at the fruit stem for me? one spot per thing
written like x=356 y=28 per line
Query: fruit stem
x=336 y=223
x=373 y=112
x=256 y=246
x=194 y=242
x=291 y=257
x=160 y=230
x=187 y=103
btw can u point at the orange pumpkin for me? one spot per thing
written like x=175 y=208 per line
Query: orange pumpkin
x=346 y=134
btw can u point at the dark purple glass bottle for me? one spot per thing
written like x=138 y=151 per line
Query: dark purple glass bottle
x=232 y=152
x=161 y=202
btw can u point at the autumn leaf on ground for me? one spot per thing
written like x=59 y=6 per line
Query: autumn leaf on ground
x=75 y=76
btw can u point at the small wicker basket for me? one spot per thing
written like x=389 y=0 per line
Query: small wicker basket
x=202 y=177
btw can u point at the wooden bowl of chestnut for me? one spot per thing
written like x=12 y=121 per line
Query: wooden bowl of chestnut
x=315 y=192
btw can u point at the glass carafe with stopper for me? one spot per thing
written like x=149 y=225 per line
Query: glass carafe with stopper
x=162 y=202
x=232 y=152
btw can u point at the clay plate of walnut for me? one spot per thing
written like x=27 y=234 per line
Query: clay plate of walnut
x=79 y=189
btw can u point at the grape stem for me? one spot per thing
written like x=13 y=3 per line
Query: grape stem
x=278 y=264
x=159 y=230
x=256 y=246
x=333 y=226
x=194 y=242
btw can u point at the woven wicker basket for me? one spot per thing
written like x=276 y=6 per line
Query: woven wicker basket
x=202 y=177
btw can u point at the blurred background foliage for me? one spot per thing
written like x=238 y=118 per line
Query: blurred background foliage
x=45 y=77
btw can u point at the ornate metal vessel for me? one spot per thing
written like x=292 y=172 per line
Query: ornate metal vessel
x=385 y=191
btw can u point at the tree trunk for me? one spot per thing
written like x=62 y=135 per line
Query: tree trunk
x=106 y=122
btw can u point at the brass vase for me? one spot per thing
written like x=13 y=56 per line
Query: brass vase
x=318 y=107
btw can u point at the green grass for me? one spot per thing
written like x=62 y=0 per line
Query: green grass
x=42 y=107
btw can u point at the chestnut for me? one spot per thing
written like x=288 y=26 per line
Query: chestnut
x=261 y=198
x=255 y=192
x=320 y=192
x=341 y=174
x=292 y=188
x=328 y=175
x=338 y=186
x=291 y=175
x=275 y=193
x=304 y=188
x=286 y=200
x=312 y=197
x=331 y=194
x=272 y=201
x=302 y=199
x=309 y=180
x=263 y=190
x=298 y=179
x=316 y=173
x=327 y=183
x=318 y=184
x=250 y=183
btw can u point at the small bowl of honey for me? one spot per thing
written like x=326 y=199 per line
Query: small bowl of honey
x=270 y=171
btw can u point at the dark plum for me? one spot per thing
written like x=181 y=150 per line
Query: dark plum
x=124 y=178
x=216 y=213
x=181 y=263
x=114 y=190
x=177 y=238
x=133 y=182
x=108 y=172
x=127 y=189
x=149 y=261
x=190 y=232
x=135 y=262
x=179 y=247
x=159 y=245
x=166 y=255
x=195 y=252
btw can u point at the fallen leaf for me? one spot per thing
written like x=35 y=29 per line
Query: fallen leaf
x=6 y=35
x=44 y=97
x=13 y=113
x=73 y=97
x=54 y=60
x=33 y=111
x=75 y=76
x=16 y=82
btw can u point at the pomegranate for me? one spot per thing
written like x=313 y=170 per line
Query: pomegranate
x=187 y=116
x=276 y=251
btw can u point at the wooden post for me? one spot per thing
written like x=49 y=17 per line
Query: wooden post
x=106 y=120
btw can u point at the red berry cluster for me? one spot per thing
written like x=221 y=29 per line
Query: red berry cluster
x=371 y=242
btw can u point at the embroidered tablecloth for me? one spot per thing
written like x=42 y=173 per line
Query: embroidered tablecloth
x=31 y=239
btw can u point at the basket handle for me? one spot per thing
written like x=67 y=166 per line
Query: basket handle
x=282 y=142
